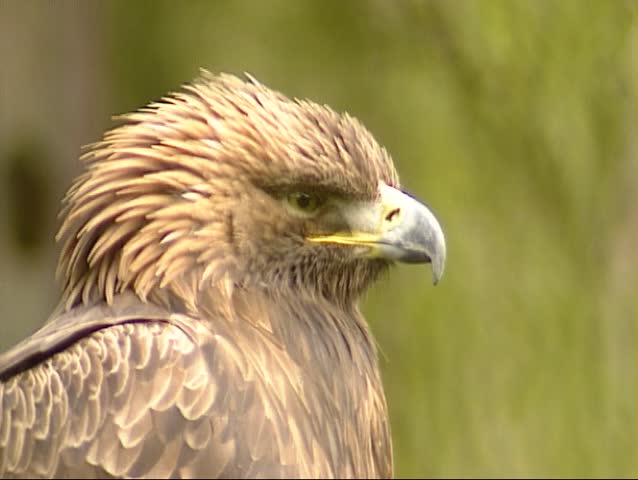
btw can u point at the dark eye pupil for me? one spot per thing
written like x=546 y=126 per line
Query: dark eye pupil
x=303 y=200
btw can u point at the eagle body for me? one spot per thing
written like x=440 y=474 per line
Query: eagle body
x=213 y=255
x=166 y=395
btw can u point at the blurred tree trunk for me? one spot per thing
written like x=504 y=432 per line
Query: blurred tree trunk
x=51 y=93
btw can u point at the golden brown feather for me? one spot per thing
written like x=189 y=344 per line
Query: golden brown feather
x=213 y=254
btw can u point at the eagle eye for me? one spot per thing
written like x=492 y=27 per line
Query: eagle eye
x=304 y=203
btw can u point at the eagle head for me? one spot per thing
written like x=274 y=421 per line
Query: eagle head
x=229 y=183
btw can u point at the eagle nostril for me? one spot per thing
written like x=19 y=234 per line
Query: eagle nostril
x=390 y=216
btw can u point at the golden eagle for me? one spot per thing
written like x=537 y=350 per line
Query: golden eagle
x=213 y=254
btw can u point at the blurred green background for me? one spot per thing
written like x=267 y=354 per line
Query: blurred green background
x=515 y=120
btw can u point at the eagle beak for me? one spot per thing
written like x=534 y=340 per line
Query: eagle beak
x=395 y=227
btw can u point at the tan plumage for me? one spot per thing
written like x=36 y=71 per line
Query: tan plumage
x=208 y=325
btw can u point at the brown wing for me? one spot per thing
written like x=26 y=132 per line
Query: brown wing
x=167 y=396
x=135 y=398
x=119 y=400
